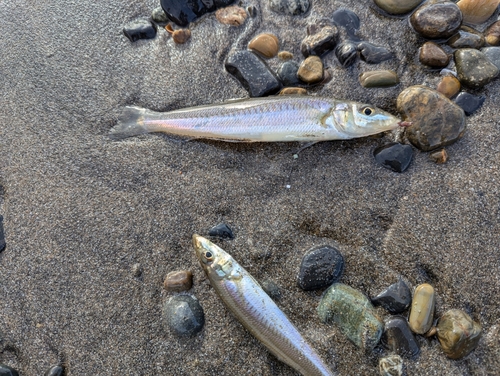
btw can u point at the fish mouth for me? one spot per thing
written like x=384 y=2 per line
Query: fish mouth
x=198 y=244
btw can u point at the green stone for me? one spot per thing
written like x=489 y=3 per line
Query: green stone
x=379 y=78
x=458 y=333
x=353 y=313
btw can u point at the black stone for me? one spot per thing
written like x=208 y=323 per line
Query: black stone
x=141 y=29
x=7 y=371
x=182 y=12
x=320 y=42
x=394 y=156
x=287 y=73
x=347 y=19
x=2 y=236
x=468 y=102
x=271 y=289
x=396 y=298
x=320 y=267
x=54 y=371
x=253 y=73
x=373 y=54
x=222 y=231
x=398 y=337
x=347 y=53
x=183 y=315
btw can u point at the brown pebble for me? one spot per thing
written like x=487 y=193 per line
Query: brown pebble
x=181 y=36
x=311 y=70
x=477 y=11
x=492 y=34
x=433 y=55
x=439 y=157
x=232 y=15
x=169 y=28
x=457 y=333
x=285 y=55
x=265 y=44
x=449 y=86
x=432 y=331
x=180 y=280
x=293 y=91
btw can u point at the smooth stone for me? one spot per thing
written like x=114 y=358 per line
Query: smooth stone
x=287 y=73
x=182 y=12
x=253 y=73
x=265 y=44
x=492 y=54
x=291 y=7
x=311 y=70
x=159 y=16
x=422 y=309
x=397 y=6
x=179 y=280
x=457 y=333
x=271 y=289
x=293 y=91
x=492 y=34
x=394 y=156
x=347 y=53
x=353 y=313
x=432 y=55
x=321 y=42
x=436 y=121
x=466 y=38
x=316 y=26
x=391 y=365
x=474 y=68
x=398 y=337
x=320 y=267
x=181 y=36
x=469 y=103
x=2 y=235
x=141 y=29
x=222 y=231
x=437 y=19
x=449 y=86
x=373 y=54
x=7 y=371
x=54 y=371
x=285 y=55
x=347 y=19
x=477 y=11
x=395 y=299
x=439 y=157
x=232 y=15
x=380 y=78
x=183 y=315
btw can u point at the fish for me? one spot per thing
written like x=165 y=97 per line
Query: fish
x=282 y=118
x=258 y=313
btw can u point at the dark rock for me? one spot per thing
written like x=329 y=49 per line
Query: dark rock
x=466 y=38
x=468 y=102
x=184 y=11
x=179 y=280
x=7 y=371
x=380 y=78
x=492 y=54
x=439 y=156
x=291 y=7
x=54 y=371
x=373 y=54
x=398 y=337
x=437 y=19
x=141 y=29
x=159 y=16
x=222 y=231
x=320 y=267
x=397 y=6
x=473 y=68
x=433 y=55
x=2 y=236
x=271 y=289
x=347 y=19
x=395 y=299
x=287 y=73
x=321 y=42
x=394 y=156
x=183 y=315
x=347 y=53
x=253 y=73
x=436 y=121
x=457 y=333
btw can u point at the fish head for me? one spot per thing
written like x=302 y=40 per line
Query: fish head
x=216 y=262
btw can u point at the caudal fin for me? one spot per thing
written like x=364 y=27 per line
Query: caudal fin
x=130 y=123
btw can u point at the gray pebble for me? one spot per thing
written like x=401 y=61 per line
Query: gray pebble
x=159 y=16
x=291 y=7
x=183 y=315
x=287 y=73
x=271 y=289
x=492 y=54
x=54 y=371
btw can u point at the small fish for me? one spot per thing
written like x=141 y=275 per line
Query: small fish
x=256 y=310
x=282 y=118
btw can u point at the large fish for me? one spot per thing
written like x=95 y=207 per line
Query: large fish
x=271 y=119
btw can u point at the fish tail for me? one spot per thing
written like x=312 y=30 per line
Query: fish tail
x=131 y=122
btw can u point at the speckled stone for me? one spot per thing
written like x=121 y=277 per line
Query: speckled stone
x=398 y=338
x=492 y=54
x=321 y=42
x=183 y=315
x=265 y=44
x=439 y=156
x=287 y=73
x=433 y=55
x=492 y=34
x=271 y=289
x=436 y=121
x=437 y=19
x=466 y=38
x=7 y=371
x=320 y=267
x=347 y=53
x=449 y=86
x=395 y=299
x=159 y=16
x=373 y=54
x=291 y=7
x=469 y=103
x=457 y=333
x=140 y=29
x=477 y=11
x=391 y=365
x=380 y=78
x=397 y=6
x=347 y=19
x=293 y=91
x=473 y=68
x=54 y=371
x=179 y=280
x=2 y=236
x=394 y=156
x=353 y=313
x=311 y=70
x=222 y=231
x=181 y=36
x=232 y=15
x=422 y=309
x=182 y=12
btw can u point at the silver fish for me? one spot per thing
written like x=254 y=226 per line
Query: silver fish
x=280 y=118
x=256 y=310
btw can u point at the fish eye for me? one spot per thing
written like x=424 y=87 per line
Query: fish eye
x=209 y=256
x=367 y=111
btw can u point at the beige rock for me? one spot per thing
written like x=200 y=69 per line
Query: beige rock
x=180 y=280
x=232 y=15
x=265 y=44
x=181 y=36
x=285 y=55
x=422 y=309
x=293 y=91
x=311 y=70
x=477 y=11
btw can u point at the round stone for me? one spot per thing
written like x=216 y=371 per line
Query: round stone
x=468 y=102
x=287 y=72
x=293 y=91
x=433 y=55
x=347 y=53
x=437 y=19
x=398 y=338
x=436 y=121
x=54 y=371
x=180 y=280
x=181 y=36
x=397 y=6
x=466 y=38
x=477 y=11
x=320 y=267
x=394 y=156
x=473 y=68
x=222 y=231
x=422 y=309
x=265 y=44
x=291 y=7
x=347 y=19
x=457 y=333
x=439 y=156
x=311 y=70
x=7 y=371
x=449 y=86
x=380 y=78
x=232 y=15
x=391 y=365
x=492 y=34
x=183 y=315
x=285 y=55
x=395 y=299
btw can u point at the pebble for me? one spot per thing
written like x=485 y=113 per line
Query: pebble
x=439 y=157
x=232 y=15
x=54 y=371
x=7 y=371
x=183 y=315
x=285 y=55
x=449 y=86
x=311 y=70
x=159 y=16
x=477 y=11
x=398 y=338
x=394 y=156
x=397 y=6
x=347 y=53
x=468 y=102
x=380 y=78
x=265 y=44
x=287 y=72
x=140 y=29
x=395 y=299
x=182 y=12
x=253 y=73
x=433 y=55
x=137 y=270
x=422 y=309
x=180 y=280
x=457 y=333
x=473 y=68
x=492 y=34
x=181 y=36
x=353 y=313
x=437 y=19
x=321 y=42
x=391 y=365
x=466 y=38
x=293 y=91
x=373 y=54
x=291 y=7
x=320 y=267
x=492 y=54
x=222 y=231
x=2 y=236
x=271 y=289
x=347 y=19
x=436 y=121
